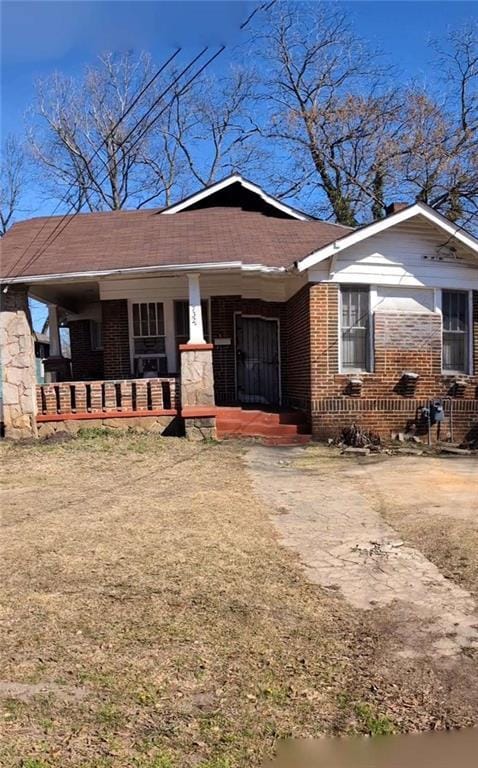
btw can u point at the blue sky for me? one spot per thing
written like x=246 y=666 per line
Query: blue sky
x=40 y=37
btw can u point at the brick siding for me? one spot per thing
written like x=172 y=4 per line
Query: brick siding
x=87 y=363
x=402 y=342
x=297 y=373
x=116 y=355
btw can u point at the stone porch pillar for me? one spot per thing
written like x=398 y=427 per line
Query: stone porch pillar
x=197 y=378
x=17 y=363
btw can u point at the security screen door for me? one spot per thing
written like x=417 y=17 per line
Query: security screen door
x=257 y=360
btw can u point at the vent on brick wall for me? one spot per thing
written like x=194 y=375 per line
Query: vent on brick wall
x=354 y=386
x=408 y=383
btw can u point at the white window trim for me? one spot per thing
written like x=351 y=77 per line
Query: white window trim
x=469 y=331
x=169 y=327
x=132 y=337
x=372 y=301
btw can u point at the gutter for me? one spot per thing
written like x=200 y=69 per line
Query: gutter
x=207 y=266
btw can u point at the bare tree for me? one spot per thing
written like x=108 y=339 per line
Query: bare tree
x=327 y=108
x=199 y=135
x=436 y=153
x=13 y=181
x=348 y=137
x=74 y=139
x=214 y=130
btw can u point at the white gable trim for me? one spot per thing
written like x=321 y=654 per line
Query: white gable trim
x=234 y=179
x=418 y=209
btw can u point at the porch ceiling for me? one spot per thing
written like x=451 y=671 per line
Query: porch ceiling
x=69 y=296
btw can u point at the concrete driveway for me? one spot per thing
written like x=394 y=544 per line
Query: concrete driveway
x=332 y=511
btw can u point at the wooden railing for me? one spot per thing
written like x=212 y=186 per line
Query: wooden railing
x=106 y=399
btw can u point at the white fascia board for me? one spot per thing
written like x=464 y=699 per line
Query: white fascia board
x=418 y=209
x=236 y=178
x=91 y=275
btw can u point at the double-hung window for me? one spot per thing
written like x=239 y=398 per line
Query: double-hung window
x=355 y=328
x=149 y=341
x=455 y=312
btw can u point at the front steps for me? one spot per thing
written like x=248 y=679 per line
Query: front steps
x=272 y=427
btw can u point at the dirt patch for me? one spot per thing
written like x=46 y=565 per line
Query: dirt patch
x=146 y=572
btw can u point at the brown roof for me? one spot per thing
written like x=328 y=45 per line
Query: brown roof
x=126 y=239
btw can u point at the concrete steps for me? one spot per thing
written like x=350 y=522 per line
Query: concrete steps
x=273 y=427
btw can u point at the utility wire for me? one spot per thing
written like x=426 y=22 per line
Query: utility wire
x=49 y=241
x=103 y=143
x=67 y=218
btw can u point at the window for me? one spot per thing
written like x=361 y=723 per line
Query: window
x=455 y=331
x=355 y=329
x=181 y=322
x=96 y=335
x=149 y=344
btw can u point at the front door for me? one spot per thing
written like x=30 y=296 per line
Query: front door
x=257 y=360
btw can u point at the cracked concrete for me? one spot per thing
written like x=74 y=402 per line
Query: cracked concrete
x=331 y=518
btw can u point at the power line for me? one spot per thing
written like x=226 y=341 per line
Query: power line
x=67 y=218
x=49 y=241
x=103 y=143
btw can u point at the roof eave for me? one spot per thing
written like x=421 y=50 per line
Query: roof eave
x=119 y=272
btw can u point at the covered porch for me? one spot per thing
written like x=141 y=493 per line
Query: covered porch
x=194 y=346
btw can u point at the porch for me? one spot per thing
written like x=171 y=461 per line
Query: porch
x=215 y=362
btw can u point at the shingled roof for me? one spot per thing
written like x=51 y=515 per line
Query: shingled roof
x=126 y=239
x=233 y=220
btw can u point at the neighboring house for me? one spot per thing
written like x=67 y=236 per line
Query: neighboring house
x=238 y=293
x=42 y=351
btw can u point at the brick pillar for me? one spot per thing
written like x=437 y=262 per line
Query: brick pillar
x=17 y=363
x=197 y=391
x=324 y=337
x=116 y=356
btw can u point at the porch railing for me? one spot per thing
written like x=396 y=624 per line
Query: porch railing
x=99 y=399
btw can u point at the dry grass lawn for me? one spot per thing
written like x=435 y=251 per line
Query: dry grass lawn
x=152 y=620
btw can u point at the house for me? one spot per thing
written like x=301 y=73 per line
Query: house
x=231 y=310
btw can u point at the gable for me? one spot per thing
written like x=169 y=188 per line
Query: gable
x=236 y=192
x=450 y=233
x=414 y=252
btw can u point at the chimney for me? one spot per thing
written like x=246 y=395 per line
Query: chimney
x=395 y=208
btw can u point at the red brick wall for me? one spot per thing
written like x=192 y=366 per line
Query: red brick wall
x=116 y=356
x=386 y=415
x=297 y=372
x=402 y=342
x=86 y=363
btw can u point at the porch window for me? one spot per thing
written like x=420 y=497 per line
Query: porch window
x=149 y=341
x=181 y=321
x=455 y=331
x=355 y=329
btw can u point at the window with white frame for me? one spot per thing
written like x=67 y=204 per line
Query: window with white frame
x=149 y=340
x=355 y=328
x=455 y=313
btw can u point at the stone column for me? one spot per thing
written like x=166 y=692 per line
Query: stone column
x=197 y=391
x=17 y=362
